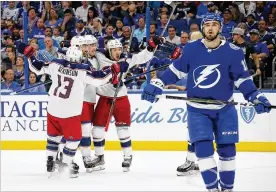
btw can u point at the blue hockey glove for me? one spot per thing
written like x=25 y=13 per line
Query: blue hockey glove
x=152 y=90
x=262 y=104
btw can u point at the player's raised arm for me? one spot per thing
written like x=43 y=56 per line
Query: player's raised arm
x=243 y=81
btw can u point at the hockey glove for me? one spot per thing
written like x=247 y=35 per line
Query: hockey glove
x=116 y=68
x=152 y=90
x=262 y=104
x=176 y=53
x=153 y=42
x=29 y=51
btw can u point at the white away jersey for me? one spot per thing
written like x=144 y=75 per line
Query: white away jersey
x=68 y=82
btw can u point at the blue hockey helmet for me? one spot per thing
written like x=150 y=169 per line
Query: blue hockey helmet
x=211 y=17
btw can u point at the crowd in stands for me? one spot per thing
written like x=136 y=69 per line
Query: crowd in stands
x=51 y=25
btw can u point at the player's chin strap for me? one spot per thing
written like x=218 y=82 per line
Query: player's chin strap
x=208 y=101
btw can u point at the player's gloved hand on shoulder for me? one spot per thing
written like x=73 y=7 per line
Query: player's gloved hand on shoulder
x=153 y=42
x=29 y=51
x=153 y=89
x=262 y=105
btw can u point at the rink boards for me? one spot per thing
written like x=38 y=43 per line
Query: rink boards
x=160 y=126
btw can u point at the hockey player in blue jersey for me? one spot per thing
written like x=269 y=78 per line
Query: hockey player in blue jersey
x=214 y=67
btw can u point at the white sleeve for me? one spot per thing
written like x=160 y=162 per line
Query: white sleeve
x=140 y=58
x=102 y=60
x=4 y=14
x=97 y=81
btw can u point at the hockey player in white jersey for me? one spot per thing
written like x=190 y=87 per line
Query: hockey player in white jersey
x=121 y=112
x=65 y=101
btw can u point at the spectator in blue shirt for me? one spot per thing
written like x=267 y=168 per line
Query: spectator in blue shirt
x=118 y=32
x=261 y=13
x=38 y=31
x=53 y=20
x=228 y=24
x=80 y=30
x=69 y=21
x=202 y=9
x=9 y=85
x=140 y=33
x=32 y=82
x=260 y=47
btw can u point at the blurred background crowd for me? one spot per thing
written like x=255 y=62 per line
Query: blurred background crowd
x=52 y=24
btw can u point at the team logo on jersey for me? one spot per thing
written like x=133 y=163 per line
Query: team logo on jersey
x=247 y=113
x=206 y=76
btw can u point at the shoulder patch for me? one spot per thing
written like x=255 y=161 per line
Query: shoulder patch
x=233 y=46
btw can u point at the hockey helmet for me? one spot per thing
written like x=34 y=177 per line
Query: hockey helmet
x=78 y=41
x=211 y=17
x=74 y=54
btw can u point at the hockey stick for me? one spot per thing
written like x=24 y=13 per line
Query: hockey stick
x=23 y=90
x=173 y=5
x=209 y=101
x=118 y=86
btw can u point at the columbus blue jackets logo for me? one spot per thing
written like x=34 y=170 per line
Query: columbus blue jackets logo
x=247 y=113
x=206 y=76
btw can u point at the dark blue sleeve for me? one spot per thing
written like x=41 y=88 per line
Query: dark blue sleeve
x=264 y=49
x=239 y=74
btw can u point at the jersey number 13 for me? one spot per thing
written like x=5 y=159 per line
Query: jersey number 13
x=67 y=87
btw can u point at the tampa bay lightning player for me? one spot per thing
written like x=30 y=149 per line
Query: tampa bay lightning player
x=213 y=75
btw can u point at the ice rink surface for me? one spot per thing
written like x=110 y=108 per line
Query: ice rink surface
x=150 y=171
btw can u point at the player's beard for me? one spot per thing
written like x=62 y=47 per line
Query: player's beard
x=211 y=38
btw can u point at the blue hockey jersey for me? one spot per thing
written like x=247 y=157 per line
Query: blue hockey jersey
x=212 y=73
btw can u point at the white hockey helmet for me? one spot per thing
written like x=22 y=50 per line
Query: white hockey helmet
x=114 y=43
x=90 y=39
x=74 y=54
x=78 y=41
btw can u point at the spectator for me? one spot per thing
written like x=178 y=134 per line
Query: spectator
x=153 y=75
x=10 y=24
x=211 y=8
x=125 y=39
x=80 y=30
x=15 y=33
x=47 y=33
x=202 y=9
x=140 y=33
x=10 y=12
x=247 y=8
x=251 y=23
x=163 y=22
x=56 y=35
x=186 y=9
x=82 y=11
x=194 y=27
x=248 y=50
x=49 y=47
x=184 y=38
x=119 y=29
x=19 y=70
x=69 y=21
x=26 y=6
x=271 y=24
x=39 y=31
x=9 y=85
x=195 y=35
x=153 y=32
x=9 y=61
x=260 y=47
x=92 y=13
x=32 y=19
x=21 y=37
x=261 y=13
x=265 y=37
x=53 y=20
x=131 y=17
x=141 y=8
x=45 y=15
x=65 y=5
x=228 y=24
x=32 y=82
x=237 y=15
x=97 y=28
x=172 y=37
x=109 y=35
